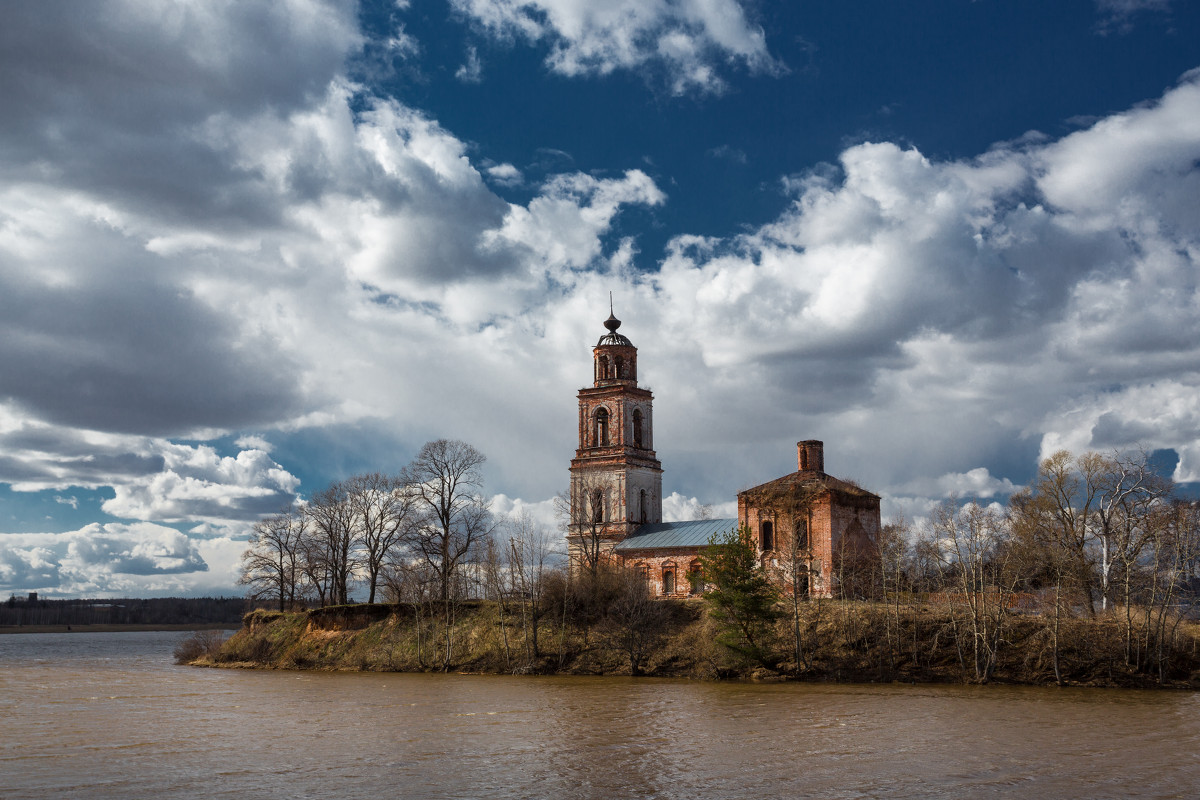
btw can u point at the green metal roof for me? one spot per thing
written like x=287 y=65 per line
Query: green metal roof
x=663 y=535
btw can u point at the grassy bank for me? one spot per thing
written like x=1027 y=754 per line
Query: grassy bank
x=842 y=641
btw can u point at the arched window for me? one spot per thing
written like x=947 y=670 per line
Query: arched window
x=767 y=537
x=695 y=577
x=800 y=531
x=619 y=371
x=600 y=435
x=597 y=506
x=637 y=427
x=668 y=576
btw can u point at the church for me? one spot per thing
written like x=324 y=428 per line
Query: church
x=804 y=523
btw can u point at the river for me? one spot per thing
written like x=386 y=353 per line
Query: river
x=108 y=715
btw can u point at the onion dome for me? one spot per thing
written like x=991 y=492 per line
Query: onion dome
x=612 y=337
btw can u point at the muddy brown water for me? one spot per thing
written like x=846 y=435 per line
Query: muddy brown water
x=108 y=715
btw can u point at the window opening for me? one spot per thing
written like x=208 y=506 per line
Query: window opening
x=637 y=427
x=600 y=436
x=801 y=533
x=767 y=537
x=597 y=506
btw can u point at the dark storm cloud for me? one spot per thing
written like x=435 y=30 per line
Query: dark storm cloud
x=42 y=455
x=116 y=348
x=83 y=470
x=113 y=97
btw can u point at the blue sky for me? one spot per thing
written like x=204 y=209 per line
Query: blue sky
x=247 y=249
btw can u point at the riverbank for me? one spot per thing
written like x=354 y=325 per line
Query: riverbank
x=840 y=642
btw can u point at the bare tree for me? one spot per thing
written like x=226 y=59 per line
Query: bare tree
x=273 y=564
x=412 y=582
x=893 y=552
x=330 y=514
x=1060 y=503
x=445 y=482
x=970 y=540
x=1129 y=489
x=529 y=553
x=382 y=510
x=634 y=619
x=314 y=564
x=586 y=509
x=497 y=588
x=1168 y=593
x=1048 y=563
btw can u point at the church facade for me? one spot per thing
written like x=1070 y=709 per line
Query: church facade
x=803 y=524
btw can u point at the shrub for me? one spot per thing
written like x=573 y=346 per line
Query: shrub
x=199 y=644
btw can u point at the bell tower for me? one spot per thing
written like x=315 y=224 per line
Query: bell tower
x=616 y=480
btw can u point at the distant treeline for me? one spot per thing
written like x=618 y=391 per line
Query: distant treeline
x=124 y=611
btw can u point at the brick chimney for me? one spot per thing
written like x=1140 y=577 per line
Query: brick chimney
x=810 y=455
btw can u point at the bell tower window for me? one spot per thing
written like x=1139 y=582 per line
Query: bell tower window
x=597 y=506
x=637 y=427
x=600 y=438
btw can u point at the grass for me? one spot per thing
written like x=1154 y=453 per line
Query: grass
x=841 y=641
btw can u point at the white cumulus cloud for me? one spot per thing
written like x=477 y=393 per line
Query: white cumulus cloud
x=688 y=39
x=99 y=559
x=197 y=484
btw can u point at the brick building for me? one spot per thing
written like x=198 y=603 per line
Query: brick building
x=810 y=522
x=806 y=520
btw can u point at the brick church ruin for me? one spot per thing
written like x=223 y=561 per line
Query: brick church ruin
x=806 y=519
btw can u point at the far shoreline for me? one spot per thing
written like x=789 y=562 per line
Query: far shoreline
x=130 y=628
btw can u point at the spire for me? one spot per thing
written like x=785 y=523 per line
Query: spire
x=612 y=323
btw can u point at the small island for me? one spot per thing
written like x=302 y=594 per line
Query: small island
x=842 y=641
x=1089 y=576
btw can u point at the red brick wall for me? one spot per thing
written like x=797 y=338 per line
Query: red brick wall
x=832 y=519
x=679 y=561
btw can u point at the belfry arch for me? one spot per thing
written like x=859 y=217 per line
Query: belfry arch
x=600 y=428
